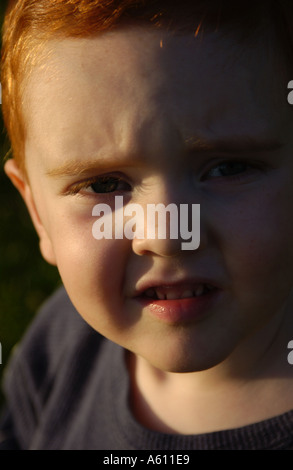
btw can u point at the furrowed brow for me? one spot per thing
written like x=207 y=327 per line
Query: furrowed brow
x=237 y=145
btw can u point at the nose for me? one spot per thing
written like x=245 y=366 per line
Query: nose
x=170 y=226
x=160 y=247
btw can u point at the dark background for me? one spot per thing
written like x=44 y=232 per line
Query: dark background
x=25 y=278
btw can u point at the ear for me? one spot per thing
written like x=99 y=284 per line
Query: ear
x=20 y=182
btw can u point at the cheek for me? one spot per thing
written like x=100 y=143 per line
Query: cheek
x=259 y=248
x=91 y=270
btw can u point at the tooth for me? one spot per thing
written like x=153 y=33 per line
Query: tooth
x=160 y=295
x=186 y=294
x=199 y=291
x=163 y=294
x=171 y=295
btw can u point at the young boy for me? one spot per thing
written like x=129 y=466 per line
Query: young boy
x=148 y=102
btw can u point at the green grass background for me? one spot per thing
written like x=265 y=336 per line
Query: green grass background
x=25 y=278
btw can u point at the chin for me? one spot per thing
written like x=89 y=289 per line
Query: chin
x=181 y=365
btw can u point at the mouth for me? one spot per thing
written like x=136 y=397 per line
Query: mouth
x=177 y=292
x=179 y=302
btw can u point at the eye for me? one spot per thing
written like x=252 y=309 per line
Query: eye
x=228 y=169
x=108 y=184
x=99 y=185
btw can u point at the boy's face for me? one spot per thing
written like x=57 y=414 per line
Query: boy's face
x=166 y=120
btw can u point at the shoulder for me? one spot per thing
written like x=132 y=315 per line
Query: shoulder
x=49 y=370
x=57 y=328
x=56 y=311
x=57 y=337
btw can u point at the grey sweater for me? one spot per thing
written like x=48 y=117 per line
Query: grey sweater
x=67 y=388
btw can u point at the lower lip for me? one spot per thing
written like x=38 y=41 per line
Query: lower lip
x=181 y=310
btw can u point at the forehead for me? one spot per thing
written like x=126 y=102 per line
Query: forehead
x=127 y=86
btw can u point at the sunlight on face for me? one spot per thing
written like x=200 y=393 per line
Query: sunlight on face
x=184 y=124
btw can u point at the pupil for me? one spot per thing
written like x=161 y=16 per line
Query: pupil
x=106 y=185
x=228 y=169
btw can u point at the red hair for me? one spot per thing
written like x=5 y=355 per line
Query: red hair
x=29 y=23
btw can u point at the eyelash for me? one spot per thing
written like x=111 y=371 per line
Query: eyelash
x=243 y=173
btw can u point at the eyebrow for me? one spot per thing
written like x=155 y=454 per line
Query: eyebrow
x=237 y=144
x=84 y=167
x=87 y=166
